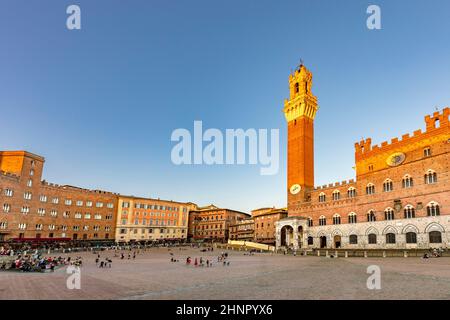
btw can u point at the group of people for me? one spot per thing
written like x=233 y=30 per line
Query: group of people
x=433 y=253
x=199 y=262
x=107 y=263
x=222 y=258
x=38 y=263
x=6 y=251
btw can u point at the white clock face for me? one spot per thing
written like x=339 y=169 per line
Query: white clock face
x=295 y=188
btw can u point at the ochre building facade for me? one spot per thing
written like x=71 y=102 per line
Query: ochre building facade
x=399 y=199
x=148 y=220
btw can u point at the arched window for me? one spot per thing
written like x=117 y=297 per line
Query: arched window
x=370 y=188
x=336 y=219
x=390 y=238
x=353 y=239
x=371 y=216
x=407 y=181
x=322 y=221
x=433 y=209
x=410 y=212
x=322 y=197
x=352 y=217
x=296 y=87
x=388 y=185
x=435 y=237
x=336 y=195
x=430 y=177
x=389 y=214
x=351 y=192
x=427 y=152
x=372 y=238
x=310 y=240
x=411 y=237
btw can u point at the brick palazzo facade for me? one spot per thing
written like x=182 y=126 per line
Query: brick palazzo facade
x=260 y=227
x=265 y=219
x=242 y=230
x=32 y=209
x=399 y=199
x=211 y=223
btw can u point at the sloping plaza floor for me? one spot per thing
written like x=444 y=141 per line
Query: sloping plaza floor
x=261 y=276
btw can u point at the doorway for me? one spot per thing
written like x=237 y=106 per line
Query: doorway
x=323 y=242
x=337 y=241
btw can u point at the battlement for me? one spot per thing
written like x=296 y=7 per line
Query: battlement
x=336 y=184
x=77 y=189
x=9 y=175
x=433 y=122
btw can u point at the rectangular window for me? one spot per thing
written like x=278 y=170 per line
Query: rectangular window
x=6 y=207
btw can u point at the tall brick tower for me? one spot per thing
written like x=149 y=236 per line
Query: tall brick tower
x=300 y=111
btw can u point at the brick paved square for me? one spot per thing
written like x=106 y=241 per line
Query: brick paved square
x=262 y=276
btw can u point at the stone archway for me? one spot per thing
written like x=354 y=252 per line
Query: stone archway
x=287 y=236
x=290 y=232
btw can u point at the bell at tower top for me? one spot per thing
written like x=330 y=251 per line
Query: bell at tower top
x=301 y=101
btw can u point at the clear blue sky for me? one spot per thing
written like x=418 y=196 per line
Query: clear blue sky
x=100 y=103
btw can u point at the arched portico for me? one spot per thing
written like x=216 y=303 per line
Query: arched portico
x=290 y=233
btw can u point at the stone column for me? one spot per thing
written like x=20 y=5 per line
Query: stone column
x=295 y=238
x=278 y=238
x=287 y=239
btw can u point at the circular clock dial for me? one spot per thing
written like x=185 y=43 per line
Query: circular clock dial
x=395 y=159
x=295 y=188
